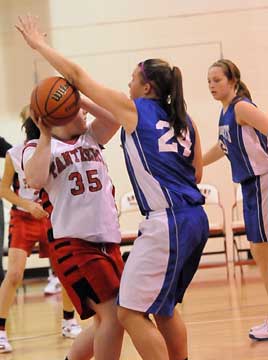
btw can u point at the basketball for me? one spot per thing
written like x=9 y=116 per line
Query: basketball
x=55 y=100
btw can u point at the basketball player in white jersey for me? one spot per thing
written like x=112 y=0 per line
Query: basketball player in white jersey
x=28 y=225
x=84 y=244
x=163 y=157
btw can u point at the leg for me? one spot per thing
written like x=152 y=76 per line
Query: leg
x=260 y=254
x=83 y=346
x=146 y=338
x=53 y=287
x=16 y=265
x=108 y=336
x=66 y=301
x=70 y=327
x=2 y=233
x=174 y=332
x=104 y=340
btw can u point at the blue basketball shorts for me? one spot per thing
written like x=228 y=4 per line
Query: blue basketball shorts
x=163 y=260
x=255 y=208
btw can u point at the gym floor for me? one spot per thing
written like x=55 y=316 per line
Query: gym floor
x=218 y=313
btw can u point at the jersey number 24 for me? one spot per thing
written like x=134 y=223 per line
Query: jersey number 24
x=163 y=144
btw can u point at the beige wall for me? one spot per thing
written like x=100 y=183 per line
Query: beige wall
x=109 y=38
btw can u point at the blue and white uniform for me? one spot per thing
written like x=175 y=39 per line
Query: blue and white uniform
x=247 y=150
x=166 y=254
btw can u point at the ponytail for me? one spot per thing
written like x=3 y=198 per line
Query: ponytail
x=243 y=91
x=167 y=84
x=176 y=108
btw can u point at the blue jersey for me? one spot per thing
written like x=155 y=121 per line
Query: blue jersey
x=245 y=147
x=159 y=164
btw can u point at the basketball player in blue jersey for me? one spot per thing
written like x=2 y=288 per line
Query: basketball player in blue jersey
x=163 y=157
x=243 y=130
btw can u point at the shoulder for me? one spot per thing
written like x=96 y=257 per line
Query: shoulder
x=29 y=147
x=243 y=103
x=243 y=107
x=30 y=144
x=15 y=150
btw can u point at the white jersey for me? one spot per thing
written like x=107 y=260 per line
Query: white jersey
x=80 y=191
x=19 y=182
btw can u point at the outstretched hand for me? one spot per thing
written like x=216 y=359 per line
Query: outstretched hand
x=29 y=28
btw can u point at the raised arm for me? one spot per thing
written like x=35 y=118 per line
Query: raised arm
x=5 y=192
x=117 y=103
x=104 y=126
x=212 y=155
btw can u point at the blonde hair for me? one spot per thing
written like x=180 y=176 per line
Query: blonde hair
x=25 y=113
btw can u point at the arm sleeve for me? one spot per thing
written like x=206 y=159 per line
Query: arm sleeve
x=4 y=146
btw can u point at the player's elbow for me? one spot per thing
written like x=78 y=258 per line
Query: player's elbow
x=74 y=75
x=35 y=183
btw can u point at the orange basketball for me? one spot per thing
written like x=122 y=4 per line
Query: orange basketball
x=55 y=100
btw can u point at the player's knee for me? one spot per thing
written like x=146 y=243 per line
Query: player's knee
x=122 y=315
x=126 y=315
x=14 y=278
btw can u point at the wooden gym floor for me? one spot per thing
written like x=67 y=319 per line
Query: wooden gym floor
x=218 y=313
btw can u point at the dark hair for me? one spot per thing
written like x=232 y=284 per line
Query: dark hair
x=232 y=72
x=167 y=84
x=31 y=130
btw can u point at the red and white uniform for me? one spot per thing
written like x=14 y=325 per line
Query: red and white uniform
x=84 y=239
x=20 y=186
x=80 y=191
x=24 y=230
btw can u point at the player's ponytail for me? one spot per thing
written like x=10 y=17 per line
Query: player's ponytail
x=176 y=106
x=167 y=85
x=242 y=90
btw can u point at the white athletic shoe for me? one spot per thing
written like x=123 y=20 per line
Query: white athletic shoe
x=4 y=344
x=70 y=328
x=257 y=327
x=53 y=286
x=259 y=332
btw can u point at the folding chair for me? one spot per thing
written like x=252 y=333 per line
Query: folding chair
x=216 y=216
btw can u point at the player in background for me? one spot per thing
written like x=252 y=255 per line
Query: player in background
x=243 y=130
x=28 y=225
x=4 y=146
x=163 y=157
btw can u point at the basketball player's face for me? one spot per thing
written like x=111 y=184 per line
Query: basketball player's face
x=219 y=85
x=79 y=124
x=136 y=86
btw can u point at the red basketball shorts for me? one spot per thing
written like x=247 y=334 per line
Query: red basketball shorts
x=87 y=271
x=25 y=231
